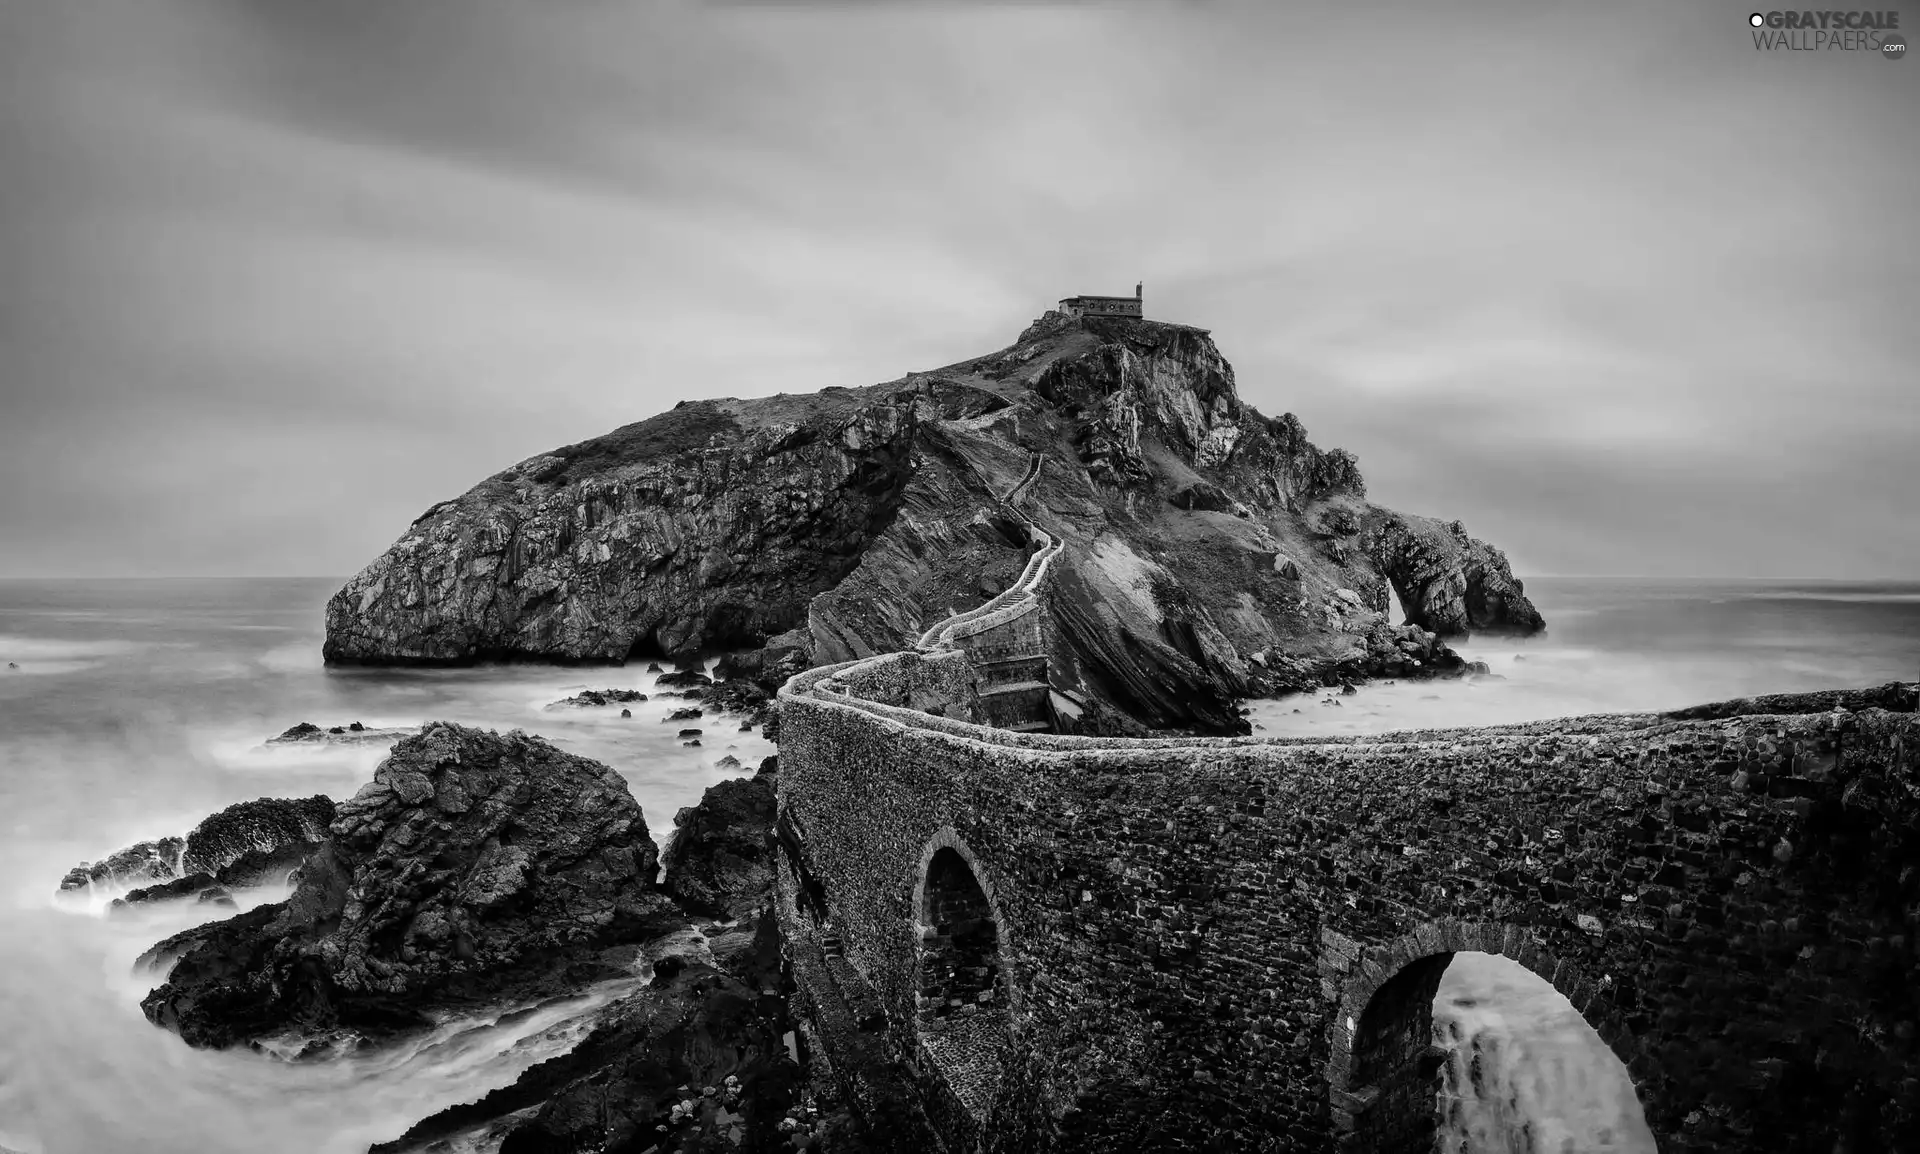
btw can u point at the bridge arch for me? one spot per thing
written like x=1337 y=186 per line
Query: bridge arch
x=1384 y=1072
x=960 y=930
x=963 y=987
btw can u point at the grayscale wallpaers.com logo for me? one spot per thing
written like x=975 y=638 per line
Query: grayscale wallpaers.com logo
x=1832 y=31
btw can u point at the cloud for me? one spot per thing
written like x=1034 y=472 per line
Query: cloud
x=1607 y=285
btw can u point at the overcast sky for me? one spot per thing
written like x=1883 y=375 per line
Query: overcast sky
x=1617 y=290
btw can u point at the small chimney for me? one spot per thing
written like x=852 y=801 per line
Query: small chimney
x=1139 y=292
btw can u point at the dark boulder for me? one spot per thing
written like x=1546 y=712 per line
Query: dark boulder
x=719 y=861
x=268 y=832
x=174 y=890
x=596 y=697
x=698 y=1054
x=474 y=866
x=682 y=679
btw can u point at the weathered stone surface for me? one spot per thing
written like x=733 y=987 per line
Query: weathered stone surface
x=1229 y=943
x=1447 y=581
x=269 y=833
x=353 y=733
x=588 y=698
x=471 y=861
x=144 y=862
x=250 y=843
x=694 y=1063
x=720 y=862
x=843 y=524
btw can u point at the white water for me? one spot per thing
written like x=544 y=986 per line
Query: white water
x=140 y=708
x=1546 y=1082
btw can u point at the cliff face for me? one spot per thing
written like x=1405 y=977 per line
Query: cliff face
x=1211 y=552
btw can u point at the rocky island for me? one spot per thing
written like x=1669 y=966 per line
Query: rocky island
x=1019 y=879
x=1212 y=552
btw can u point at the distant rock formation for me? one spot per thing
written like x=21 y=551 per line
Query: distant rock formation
x=1447 y=581
x=352 y=733
x=471 y=863
x=590 y=698
x=818 y=528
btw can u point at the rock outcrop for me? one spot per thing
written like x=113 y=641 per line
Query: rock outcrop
x=720 y=861
x=143 y=863
x=473 y=866
x=591 y=698
x=1447 y=581
x=247 y=844
x=1197 y=532
x=693 y=1062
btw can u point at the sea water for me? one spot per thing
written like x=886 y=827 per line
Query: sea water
x=138 y=708
x=1528 y=1075
x=141 y=706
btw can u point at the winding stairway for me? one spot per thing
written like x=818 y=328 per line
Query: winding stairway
x=1015 y=693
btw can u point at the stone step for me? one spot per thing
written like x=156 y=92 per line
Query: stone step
x=992 y=661
x=1012 y=687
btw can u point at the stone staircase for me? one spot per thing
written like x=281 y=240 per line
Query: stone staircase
x=1014 y=693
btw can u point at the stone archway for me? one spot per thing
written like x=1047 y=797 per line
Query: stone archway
x=962 y=948
x=1384 y=1073
x=962 y=989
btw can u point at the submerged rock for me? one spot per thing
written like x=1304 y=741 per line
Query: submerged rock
x=355 y=733
x=596 y=697
x=473 y=866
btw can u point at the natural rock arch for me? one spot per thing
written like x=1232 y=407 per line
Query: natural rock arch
x=1383 y=1072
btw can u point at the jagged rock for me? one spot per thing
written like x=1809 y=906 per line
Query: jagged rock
x=682 y=678
x=472 y=864
x=598 y=697
x=356 y=734
x=690 y=733
x=698 y=1036
x=1447 y=581
x=251 y=843
x=144 y=862
x=275 y=829
x=687 y=714
x=828 y=527
x=174 y=890
x=719 y=861
x=626 y=713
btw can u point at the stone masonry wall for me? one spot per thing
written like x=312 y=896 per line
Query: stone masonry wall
x=1193 y=930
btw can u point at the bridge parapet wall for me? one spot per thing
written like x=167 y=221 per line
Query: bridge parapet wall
x=1189 y=924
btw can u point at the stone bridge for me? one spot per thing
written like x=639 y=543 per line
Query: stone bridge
x=1012 y=941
